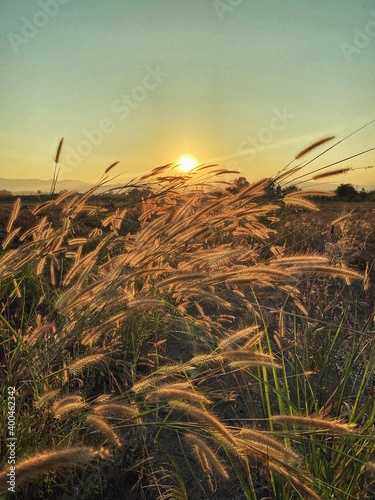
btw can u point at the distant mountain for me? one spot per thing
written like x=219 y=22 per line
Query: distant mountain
x=29 y=186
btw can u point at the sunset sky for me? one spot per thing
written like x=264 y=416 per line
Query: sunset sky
x=245 y=84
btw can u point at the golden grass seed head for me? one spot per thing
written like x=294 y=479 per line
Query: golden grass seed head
x=98 y=424
x=30 y=468
x=314 y=145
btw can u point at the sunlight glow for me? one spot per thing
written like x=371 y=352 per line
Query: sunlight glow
x=186 y=163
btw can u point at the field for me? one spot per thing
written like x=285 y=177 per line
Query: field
x=188 y=340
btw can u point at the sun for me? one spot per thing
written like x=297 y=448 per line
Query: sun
x=186 y=163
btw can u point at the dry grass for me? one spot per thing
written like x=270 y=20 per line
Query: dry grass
x=120 y=331
x=42 y=463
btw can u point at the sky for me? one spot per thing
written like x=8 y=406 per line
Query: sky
x=244 y=84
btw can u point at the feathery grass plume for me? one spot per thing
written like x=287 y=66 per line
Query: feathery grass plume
x=205 y=417
x=255 y=339
x=52 y=273
x=108 y=169
x=280 y=334
x=241 y=364
x=63 y=196
x=82 y=363
x=46 y=398
x=343 y=272
x=39 y=208
x=300 y=481
x=67 y=400
x=69 y=408
x=40 y=266
x=9 y=237
x=95 y=233
x=116 y=409
x=42 y=463
x=180 y=278
x=154 y=171
x=262 y=275
x=297 y=260
x=332 y=425
x=77 y=241
x=14 y=214
x=144 y=302
x=203 y=359
x=338 y=171
x=266 y=452
x=310 y=192
x=90 y=337
x=174 y=391
x=234 y=338
x=230 y=445
x=313 y=146
x=247 y=355
x=203 y=294
x=112 y=321
x=100 y=425
x=255 y=436
x=300 y=202
x=56 y=168
x=187 y=208
x=58 y=152
x=206 y=456
x=103 y=398
x=149 y=383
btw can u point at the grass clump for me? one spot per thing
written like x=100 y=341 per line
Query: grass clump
x=191 y=335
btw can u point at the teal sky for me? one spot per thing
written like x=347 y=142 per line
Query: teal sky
x=246 y=84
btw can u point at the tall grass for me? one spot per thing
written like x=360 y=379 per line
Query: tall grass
x=196 y=337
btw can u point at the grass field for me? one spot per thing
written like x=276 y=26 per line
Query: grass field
x=197 y=342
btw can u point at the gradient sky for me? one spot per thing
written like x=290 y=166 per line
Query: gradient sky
x=246 y=84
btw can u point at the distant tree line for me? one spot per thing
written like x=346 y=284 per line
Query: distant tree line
x=344 y=192
x=347 y=192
